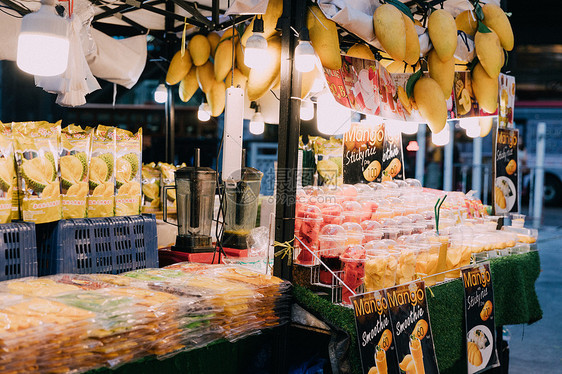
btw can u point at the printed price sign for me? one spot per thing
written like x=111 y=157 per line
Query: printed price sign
x=362 y=153
x=506 y=182
x=393 y=155
x=374 y=332
x=412 y=332
x=481 y=348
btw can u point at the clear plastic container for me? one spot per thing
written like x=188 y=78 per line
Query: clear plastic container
x=332 y=214
x=380 y=270
x=371 y=230
x=331 y=245
x=307 y=228
x=391 y=233
x=406 y=269
x=353 y=267
x=517 y=220
x=368 y=209
x=352 y=211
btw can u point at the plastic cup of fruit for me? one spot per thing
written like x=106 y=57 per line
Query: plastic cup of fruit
x=347 y=192
x=307 y=228
x=391 y=233
x=352 y=211
x=382 y=213
x=332 y=214
x=380 y=245
x=368 y=209
x=331 y=244
x=353 y=232
x=517 y=220
x=353 y=266
x=406 y=269
x=377 y=274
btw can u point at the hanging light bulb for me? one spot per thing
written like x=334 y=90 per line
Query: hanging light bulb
x=332 y=118
x=305 y=58
x=441 y=138
x=43 y=43
x=255 y=53
x=161 y=94
x=409 y=128
x=204 y=112
x=307 y=110
x=257 y=126
x=466 y=123
x=473 y=131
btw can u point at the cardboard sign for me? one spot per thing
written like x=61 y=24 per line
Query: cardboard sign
x=507 y=100
x=479 y=318
x=506 y=182
x=374 y=332
x=412 y=332
x=362 y=154
x=393 y=154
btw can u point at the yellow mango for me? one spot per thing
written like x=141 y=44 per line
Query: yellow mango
x=188 y=86
x=205 y=76
x=442 y=72
x=485 y=125
x=179 y=67
x=216 y=98
x=229 y=34
x=390 y=30
x=199 y=49
x=467 y=22
x=223 y=59
x=431 y=103
x=240 y=60
x=361 y=50
x=485 y=89
x=443 y=33
x=239 y=79
x=213 y=38
x=324 y=38
x=489 y=52
x=307 y=81
x=412 y=41
x=261 y=80
x=495 y=19
x=403 y=97
x=272 y=14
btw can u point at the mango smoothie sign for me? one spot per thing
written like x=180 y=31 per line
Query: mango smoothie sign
x=506 y=186
x=374 y=332
x=412 y=332
x=479 y=312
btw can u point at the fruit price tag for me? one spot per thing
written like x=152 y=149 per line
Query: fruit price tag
x=415 y=351
x=374 y=333
x=506 y=166
x=479 y=308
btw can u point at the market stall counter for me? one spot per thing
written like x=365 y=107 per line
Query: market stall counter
x=516 y=302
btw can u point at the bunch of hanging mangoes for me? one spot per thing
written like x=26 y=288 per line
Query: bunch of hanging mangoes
x=395 y=28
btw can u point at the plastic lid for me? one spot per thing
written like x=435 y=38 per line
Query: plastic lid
x=333 y=231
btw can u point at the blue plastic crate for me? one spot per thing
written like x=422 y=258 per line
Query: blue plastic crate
x=109 y=245
x=18 y=252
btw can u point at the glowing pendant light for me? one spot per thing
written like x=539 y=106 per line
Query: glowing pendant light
x=43 y=44
x=257 y=125
x=255 y=53
x=161 y=94
x=441 y=138
x=307 y=111
x=204 y=112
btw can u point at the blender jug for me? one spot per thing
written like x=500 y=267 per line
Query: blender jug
x=195 y=191
x=242 y=198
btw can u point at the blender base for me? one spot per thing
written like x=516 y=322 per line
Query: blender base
x=193 y=244
x=234 y=240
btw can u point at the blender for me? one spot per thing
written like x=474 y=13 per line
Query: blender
x=195 y=190
x=242 y=198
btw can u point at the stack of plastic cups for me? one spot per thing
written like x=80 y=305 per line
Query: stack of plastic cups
x=331 y=244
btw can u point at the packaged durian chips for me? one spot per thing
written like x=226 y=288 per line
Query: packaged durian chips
x=150 y=188
x=74 y=161
x=128 y=172
x=37 y=156
x=101 y=198
x=7 y=173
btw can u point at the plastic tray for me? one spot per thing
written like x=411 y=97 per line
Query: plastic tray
x=110 y=245
x=18 y=252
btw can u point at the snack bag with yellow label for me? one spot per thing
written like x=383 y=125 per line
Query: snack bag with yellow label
x=101 y=198
x=168 y=179
x=7 y=172
x=37 y=155
x=128 y=172
x=150 y=188
x=73 y=163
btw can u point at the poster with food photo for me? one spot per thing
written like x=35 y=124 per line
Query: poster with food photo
x=412 y=329
x=507 y=100
x=506 y=182
x=374 y=333
x=465 y=102
x=481 y=351
x=362 y=153
x=388 y=96
x=392 y=154
x=406 y=104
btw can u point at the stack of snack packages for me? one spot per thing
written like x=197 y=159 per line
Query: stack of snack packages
x=48 y=173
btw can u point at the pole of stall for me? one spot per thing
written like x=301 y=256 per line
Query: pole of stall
x=539 y=173
x=288 y=135
x=477 y=166
x=169 y=109
x=448 y=156
x=420 y=155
